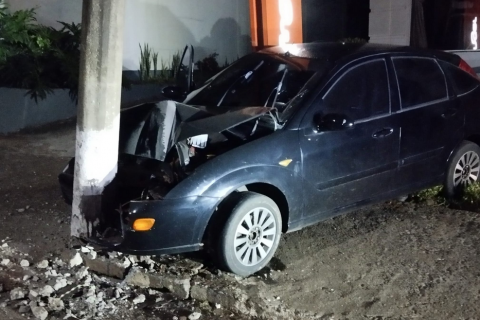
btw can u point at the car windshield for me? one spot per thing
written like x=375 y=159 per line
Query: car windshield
x=256 y=80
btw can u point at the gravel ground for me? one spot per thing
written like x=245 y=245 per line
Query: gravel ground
x=396 y=260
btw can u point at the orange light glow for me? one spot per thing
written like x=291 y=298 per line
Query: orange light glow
x=145 y=224
x=276 y=22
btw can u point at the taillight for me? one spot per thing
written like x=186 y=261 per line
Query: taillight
x=466 y=67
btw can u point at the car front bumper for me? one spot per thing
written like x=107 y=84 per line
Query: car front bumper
x=179 y=224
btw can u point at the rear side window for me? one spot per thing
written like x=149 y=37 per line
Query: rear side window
x=420 y=81
x=362 y=92
x=462 y=82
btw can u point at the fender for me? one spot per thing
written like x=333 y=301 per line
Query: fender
x=281 y=178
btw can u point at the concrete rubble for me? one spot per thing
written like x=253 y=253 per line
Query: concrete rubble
x=90 y=284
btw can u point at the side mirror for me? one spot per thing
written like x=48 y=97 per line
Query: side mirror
x=174 y=93
x=333 y=122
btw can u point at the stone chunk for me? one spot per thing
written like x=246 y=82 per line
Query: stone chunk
x=46 y=291
x=76 y=260
x=140 y=299
x=194 y=316
x=61 y=283
x=42 y=264
x=17 y=294
x=179 y=287
x=55 y=304
x=111 y=268
x=24 y=263
x=39 y=312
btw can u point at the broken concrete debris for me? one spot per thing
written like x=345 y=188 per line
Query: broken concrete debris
x=17 y=294
x=24 y=263
x=76 y=260
x=38 y=311
x=140 y=299
x=42 y=264
x=87 y=285
x=194 y=316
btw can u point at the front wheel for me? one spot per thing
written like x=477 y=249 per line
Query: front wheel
x=463 y=168
x=251 y=234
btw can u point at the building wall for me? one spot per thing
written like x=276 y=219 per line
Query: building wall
x=51 y=11
x=390 y=21
x=167 y=26
x=209 y=25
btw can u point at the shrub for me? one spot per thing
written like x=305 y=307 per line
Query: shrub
x=471 y=194
x=39 y=58
x=36 y=57
x=434 y=193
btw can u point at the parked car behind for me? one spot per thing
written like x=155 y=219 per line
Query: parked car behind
x=285 y=138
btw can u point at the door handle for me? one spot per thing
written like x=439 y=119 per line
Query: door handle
x=385 y=132
x=450 y=112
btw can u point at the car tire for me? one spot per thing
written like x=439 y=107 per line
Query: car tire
x=250 y=235
x=463 y=168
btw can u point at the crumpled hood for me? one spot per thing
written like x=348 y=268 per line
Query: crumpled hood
x=151 y=130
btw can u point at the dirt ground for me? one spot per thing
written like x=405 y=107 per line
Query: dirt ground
x=396 y=260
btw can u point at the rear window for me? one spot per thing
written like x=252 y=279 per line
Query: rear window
x=462 y=82
x=420 y=81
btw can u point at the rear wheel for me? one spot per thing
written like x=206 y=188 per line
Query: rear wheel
x=463 y=168
x=251 y=234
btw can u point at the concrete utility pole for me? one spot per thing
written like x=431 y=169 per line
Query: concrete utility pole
x=98 y=110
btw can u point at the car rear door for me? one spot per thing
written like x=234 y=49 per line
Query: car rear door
x=346 y=166
x=431 y=120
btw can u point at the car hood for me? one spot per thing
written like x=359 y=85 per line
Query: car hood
x=151 y=130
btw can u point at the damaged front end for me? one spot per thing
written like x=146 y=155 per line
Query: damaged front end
x=162 y=144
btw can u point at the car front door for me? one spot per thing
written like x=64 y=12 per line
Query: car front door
x=348 y=162
x=431 y=120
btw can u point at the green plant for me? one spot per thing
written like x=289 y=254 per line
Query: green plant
x=434 y=193
x=145 y=62
x=471 y=194
x=209 y=66
x=39 y=58
x=163 y=70
x=155 y=64
x=176 y=61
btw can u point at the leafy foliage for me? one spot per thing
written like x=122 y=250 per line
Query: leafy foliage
x=471 y=194
x=36 y=57
x=434 y=194
x=149 y=59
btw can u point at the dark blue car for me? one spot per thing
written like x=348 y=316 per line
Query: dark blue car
x=285 y=138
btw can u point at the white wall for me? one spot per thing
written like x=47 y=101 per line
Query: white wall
x=221 y=26
x=51 y=11
x=390 y=21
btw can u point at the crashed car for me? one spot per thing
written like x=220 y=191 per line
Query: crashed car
x=285 y=138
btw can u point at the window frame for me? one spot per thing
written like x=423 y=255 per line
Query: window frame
x=425 y=104
x=347 y=69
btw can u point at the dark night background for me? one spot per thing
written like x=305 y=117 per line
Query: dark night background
x=447 y=23
x=334 y=20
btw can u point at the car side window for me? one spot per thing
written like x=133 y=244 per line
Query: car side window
x=361 y=92
x=420 y=81
x=462 y=82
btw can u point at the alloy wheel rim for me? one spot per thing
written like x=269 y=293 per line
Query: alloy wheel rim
x=467 y=169
x=255 y=236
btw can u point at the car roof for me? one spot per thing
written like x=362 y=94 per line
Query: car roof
x=337 y=51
